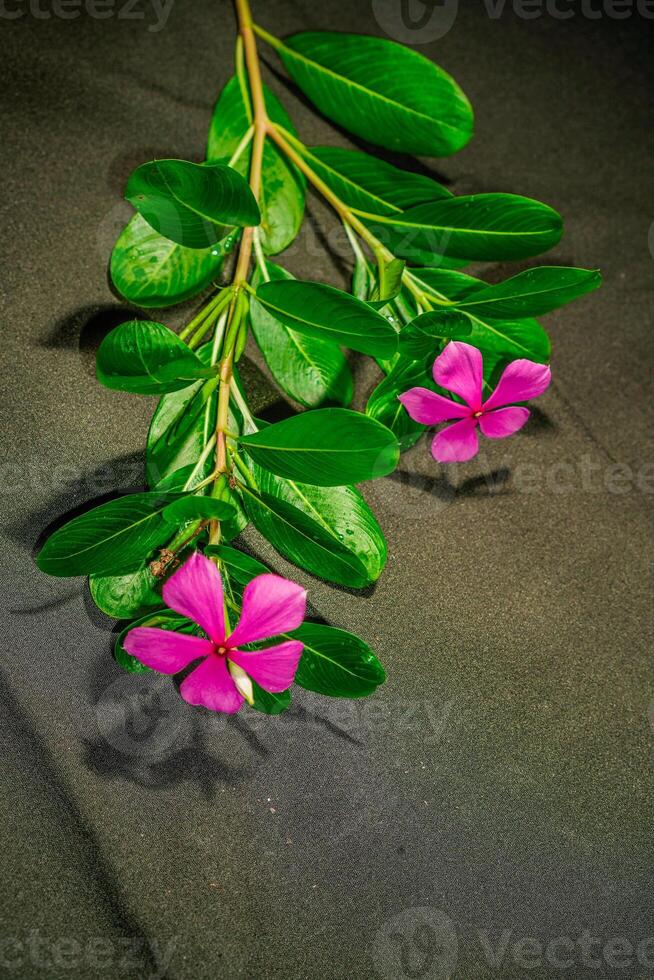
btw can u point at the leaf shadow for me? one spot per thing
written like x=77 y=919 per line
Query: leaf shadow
x=85 y=329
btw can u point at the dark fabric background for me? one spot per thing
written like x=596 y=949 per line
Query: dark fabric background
x=501 y=780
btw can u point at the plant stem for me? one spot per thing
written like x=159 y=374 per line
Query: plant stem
x=202 y=315
x=260 y=124
x=284 y=140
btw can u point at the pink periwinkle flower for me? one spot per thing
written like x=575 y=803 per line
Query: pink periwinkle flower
x=271 y=605
x=459 y=368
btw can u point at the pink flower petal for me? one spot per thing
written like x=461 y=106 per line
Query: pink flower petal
x=274 y=668
x=456 y=443
x=210 y=685
x=503 y=422
x=164 y=650
x=460 y=369
x=429 y=408
x=271 y=605
x=196 y=591
x=520 y=381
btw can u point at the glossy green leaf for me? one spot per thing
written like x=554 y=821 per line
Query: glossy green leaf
x=336 y=663
x=447 y=283
x=327 y=447
x=196 y=507
x=176 y=482
x=164 y=619
x=240 y=566
x=181 y=427
x=148 y=359
x=330 y=532
x=388 y=284
x=425 y=334
x=282 y=186
x=232 y=527
x=510 y=339
x=531 y=293
x=195 y=205
x=112 y=539
x=267 y=703
x=363 y=279
x=343 y=514
x=369 y=184
x=379 y=90
x=152 y=271
x=125 y=596
x=503 y=339
x=309 y=370
x=485 y=227
x=384 y=406
x=322 y=311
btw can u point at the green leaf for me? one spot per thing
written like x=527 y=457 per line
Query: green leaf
x=181 y=426
x=330 y=314
x=193 y=204
x=151 y=271
x=389 y=282
x=447 y=283
x=232 y=527
x=368 y=184
x=500 y=339
x=327 y=447
x=112 y=539
x=309 y=370
x=380 y=91
x=331 y=533
x=336 y=663
x=195 y=507
x=484 y=227
x=269 y=704
x=148 y=359
x=510 y=339
x=241 y=567
x=383 y=404
x=531 y=293
x=125 y=596
x=282 y=185
x=424 y=335
x=343 y=514
x=164 y=619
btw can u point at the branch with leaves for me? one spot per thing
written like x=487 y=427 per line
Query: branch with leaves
x=450 y=347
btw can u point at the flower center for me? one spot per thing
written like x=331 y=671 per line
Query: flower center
x=220 y=651
x=477 y=415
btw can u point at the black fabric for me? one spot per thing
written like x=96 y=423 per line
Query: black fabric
x=501 y=779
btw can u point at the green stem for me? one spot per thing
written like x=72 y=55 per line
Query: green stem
x=245 y=472
x=241 y=404
x=206 y=311
x=245 y=142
